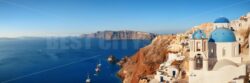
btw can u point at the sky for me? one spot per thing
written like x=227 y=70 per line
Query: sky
x=74 y=17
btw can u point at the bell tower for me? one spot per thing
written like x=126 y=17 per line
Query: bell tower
x=198 y=60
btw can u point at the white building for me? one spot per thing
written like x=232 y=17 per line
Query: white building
x=168 y=72
x=216 y=59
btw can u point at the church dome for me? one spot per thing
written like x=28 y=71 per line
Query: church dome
x=222 y=35
x=198 y=34
x=221 y=20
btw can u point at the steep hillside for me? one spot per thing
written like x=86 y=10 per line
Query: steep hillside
x=147 y=60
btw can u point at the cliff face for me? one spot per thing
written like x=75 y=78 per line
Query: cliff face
x=147 y=59
x=120 y=35
x=242 y=30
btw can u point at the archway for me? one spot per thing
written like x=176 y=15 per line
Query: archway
x=198 y=62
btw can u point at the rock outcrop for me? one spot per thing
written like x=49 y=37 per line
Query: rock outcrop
x=120 y=35
x=147 y=59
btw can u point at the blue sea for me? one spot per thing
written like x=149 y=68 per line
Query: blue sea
x=62 y=60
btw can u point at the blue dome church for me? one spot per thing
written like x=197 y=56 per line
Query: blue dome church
x=198 y=34
x=222 y=35
x=221 y=22
x=214 y=54
x=222 y=42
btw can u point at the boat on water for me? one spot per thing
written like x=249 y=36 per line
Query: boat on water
x=88 y=80
x=97 y=69
x=99 y=64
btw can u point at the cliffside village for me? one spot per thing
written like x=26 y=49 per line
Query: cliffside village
x=207 y=57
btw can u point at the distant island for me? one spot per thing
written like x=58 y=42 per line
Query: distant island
x=120 y=35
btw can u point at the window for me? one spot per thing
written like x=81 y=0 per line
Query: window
x=223 y=51
x=239 y=48
x=198 y=46
x=174 y=73
x=212 y=51
x=236 y=50
x=204 y=46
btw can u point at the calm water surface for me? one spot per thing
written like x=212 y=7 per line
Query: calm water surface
x=62 y=60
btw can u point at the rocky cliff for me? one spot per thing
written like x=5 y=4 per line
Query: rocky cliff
x=147 y=59
x=120 y=35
